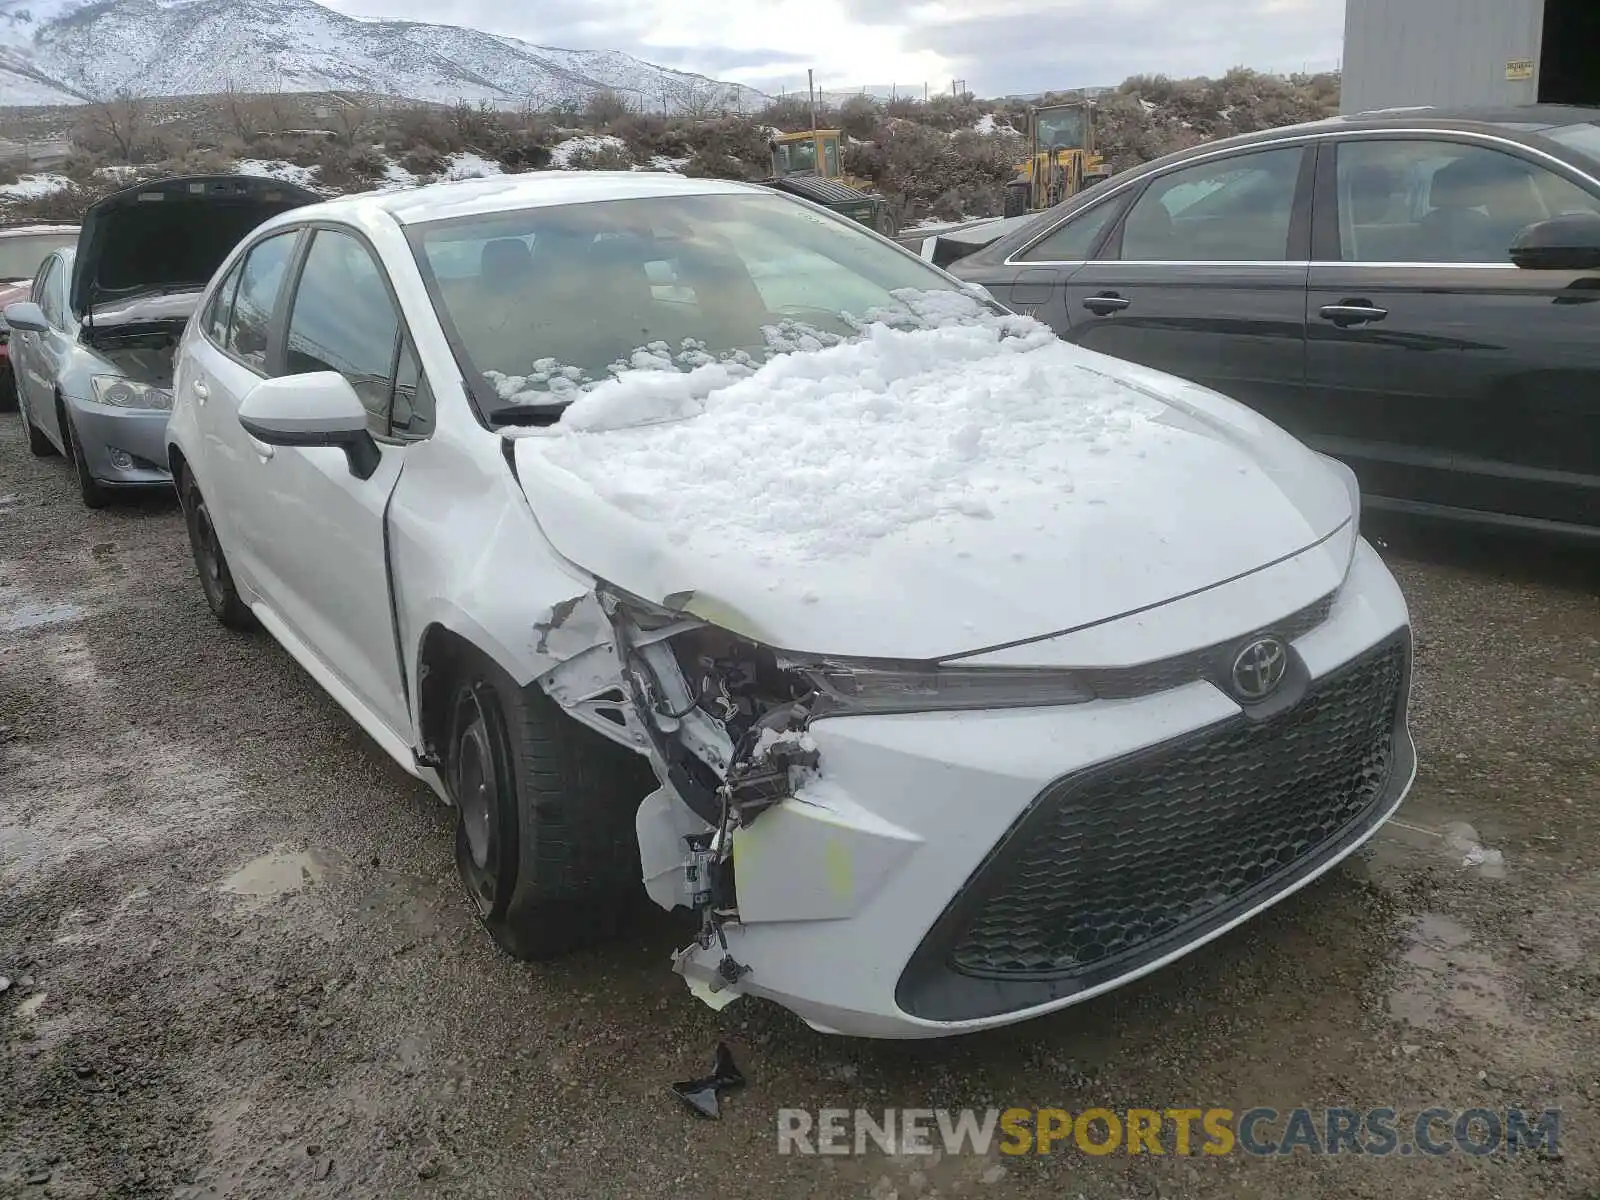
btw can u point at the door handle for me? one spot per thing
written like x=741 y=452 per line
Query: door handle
x=1106 y=305
x=1352 y=312
x=201 y=392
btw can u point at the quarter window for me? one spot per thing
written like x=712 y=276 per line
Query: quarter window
x=45 y=293
x=1236 y=209
x=1443 y=202
x=249 y=325
x=221 y=306
x=1076 y=239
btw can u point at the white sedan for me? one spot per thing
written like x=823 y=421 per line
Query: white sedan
x=680 y=532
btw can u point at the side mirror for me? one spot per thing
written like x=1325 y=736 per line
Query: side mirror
x=1566 y=243
x=317 y=409
x=26 y=316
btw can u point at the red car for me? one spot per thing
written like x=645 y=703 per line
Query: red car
x=22 y=249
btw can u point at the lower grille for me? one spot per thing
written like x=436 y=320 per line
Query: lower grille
x=1123 y=863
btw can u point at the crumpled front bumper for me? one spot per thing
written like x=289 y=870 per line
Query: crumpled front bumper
x=852 y=895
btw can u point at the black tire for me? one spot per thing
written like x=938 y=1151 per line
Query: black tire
x=39 y=445
x=210 y=562
x=8 y=387
x=545 y=835
x=90 y=490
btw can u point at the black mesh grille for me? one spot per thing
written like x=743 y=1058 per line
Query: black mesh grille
x=1122 y=683
x=1156 y=846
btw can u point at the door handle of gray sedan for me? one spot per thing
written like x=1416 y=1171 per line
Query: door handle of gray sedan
x=201 y=392
x=1352 y=312
x=1106 y=305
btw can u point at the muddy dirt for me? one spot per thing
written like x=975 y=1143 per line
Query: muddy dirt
x=237 y=961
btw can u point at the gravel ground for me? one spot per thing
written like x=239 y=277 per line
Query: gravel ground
x=240 y=964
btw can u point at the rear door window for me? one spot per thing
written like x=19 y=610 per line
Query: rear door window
x=1234 y=209
x=249 y=325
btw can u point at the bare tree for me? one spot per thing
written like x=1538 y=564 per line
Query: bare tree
x=700 y=101
x=117 y=124
x=348 y=118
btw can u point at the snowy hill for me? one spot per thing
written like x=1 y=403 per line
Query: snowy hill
x=66 y=51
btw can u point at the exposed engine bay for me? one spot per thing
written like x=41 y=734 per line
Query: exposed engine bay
x=145 y=357
x=141 y=336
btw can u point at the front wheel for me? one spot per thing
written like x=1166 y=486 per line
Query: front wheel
x=545 y=833
x=93 y=493
x=209 y=561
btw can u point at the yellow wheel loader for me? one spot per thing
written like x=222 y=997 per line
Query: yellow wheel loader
x=809 y=164
x=1064 y=159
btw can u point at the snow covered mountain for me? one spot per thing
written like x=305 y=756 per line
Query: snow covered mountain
x=68 y=51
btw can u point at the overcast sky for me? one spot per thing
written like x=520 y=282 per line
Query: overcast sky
x=998 y=46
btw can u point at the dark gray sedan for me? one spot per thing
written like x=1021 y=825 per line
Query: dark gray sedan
x=1416 y=292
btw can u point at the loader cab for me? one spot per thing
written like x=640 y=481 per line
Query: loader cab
x=808 y=153
x=1064 y=160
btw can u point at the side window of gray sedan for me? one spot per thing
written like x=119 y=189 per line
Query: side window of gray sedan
x=1075 y=239
x=1415 y=201
x=1233 y=209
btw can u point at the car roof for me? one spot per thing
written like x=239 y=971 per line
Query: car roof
x=508 y=193
x=1528 y=123
x=1528 y=119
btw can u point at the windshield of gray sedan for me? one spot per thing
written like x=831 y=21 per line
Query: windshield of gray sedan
x=545 y=302
x=1584 y=138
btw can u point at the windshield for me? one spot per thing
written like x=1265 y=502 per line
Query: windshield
x=543 y=303
x=795 y=157
x=1584 y=138
x=21 y=255
x=1064 y=128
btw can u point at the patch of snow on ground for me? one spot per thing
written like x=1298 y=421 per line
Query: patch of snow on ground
x=663 y=162
x=467 y=165
x=284 y=172
x=118 y=173
x=35 y=187
x=823 y=452
x=987 y=124
x=396 y=178
x=590 y=143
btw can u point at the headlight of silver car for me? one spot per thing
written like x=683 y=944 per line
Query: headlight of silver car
x=130 y=393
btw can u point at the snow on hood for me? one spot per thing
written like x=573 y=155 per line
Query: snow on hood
x=962 y=481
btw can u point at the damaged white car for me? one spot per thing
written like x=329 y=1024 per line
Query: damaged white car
x=681 y=531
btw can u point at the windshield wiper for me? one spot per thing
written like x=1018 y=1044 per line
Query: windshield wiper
x=543 y=413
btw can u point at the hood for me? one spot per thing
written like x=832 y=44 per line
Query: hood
x=1008 y=496
x=170 y=234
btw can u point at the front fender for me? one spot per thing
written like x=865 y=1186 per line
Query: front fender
x=467 y=556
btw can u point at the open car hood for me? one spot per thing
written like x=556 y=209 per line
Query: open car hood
x=170 y=234
x=1199 y=491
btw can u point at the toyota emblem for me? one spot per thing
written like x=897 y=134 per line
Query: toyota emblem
x=1259 y=668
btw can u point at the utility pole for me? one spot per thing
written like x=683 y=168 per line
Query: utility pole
x=811 y=86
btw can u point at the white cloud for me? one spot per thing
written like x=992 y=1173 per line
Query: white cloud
x=997 y=46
